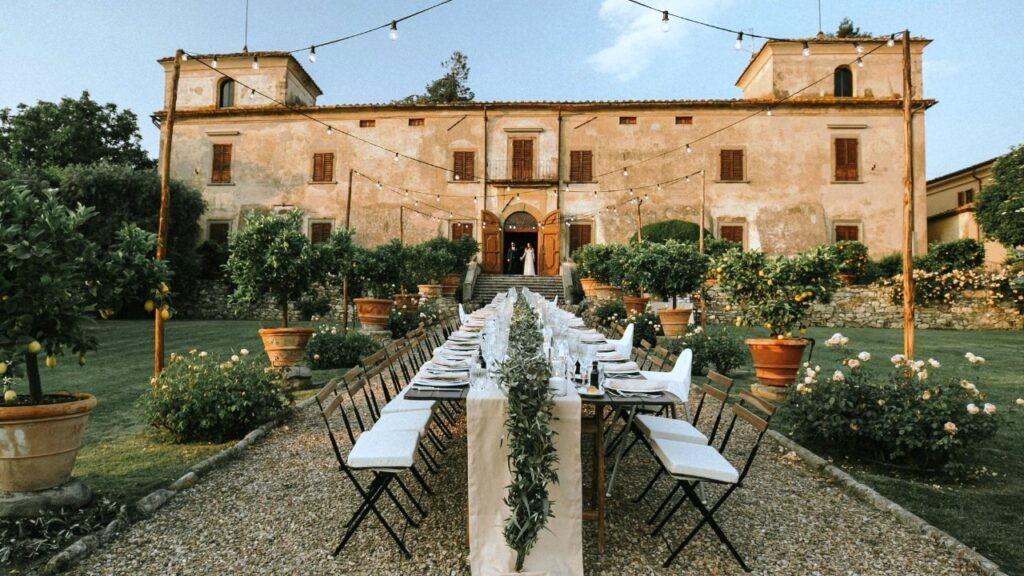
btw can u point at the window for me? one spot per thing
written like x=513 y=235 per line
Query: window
x=843 y=82
x=323 y=167
x=367 y=123
x=460 y=229
x=226 y=94
x=522 y=159
x=964 y=198
x=847 y=232
x=579 y=236
x=463 y=164
x=218 y=232
x=319 y=231
x=731 y=232
x=732 y=166
x=221 y=164
x=846 y=160
x=581 y=166
x=416 y=122
x=684 y=119
x=627 y=120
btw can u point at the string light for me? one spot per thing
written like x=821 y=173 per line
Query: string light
x=688 y=149
x=396 y=160
x=860 y=62
x=438 y=198
x=664 y=20
x=252 y=93
x=214 y=63
x=739 y=40
x=518 y=199
x=184 y=57
x=330 y=130
x=595 y=193
x=379 y=185
x=255 y=62
x=508 y=189
x=769 y=112
x=659 y=187
x=312 y=54
x=858 y=47
x=891 y=41
x=475 y=200
x=625 y=172
x=646 y=196
x=630 y=191
x=393 y=33
x=807 y=49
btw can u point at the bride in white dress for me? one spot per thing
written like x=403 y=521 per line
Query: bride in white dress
x=528 y=260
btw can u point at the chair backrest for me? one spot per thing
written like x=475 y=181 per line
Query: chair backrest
x=462 y=314
x=679 y=377
x=719 y=393
x=372 y=360
x=744 y=410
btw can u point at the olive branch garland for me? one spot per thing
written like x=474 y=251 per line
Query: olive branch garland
x=532 y=455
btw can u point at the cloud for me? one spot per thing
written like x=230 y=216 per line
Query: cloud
x=639 y=36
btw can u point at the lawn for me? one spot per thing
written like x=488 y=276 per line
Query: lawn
x=986 y=510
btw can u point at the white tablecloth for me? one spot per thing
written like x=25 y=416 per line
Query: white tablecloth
x=560 y=547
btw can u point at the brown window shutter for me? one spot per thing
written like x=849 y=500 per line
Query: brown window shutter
x=732 y=165
x=581 y=166
x=575 y=165
x=329 y=167
x=221 y=163
x=579 y=236
x=522 y=160
x=318 y=167
x=846 y=160
x=319 y=232
x=462 y=165
x=416 y=122
x=847 y=232
x=733 y=233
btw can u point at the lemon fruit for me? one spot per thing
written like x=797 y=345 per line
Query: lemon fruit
x=165 y=313
x=3 y=368
x=10 y=396
x=163 y=288
x=34 y=347
x=149 y=306
x=51 y=361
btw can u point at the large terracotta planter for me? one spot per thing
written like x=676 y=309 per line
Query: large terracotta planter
x=635 y=304
x=450 y=284
x=373 y=312
x=410 y=302
x=606 y=292
x=776 y=363
x=431 y=290
x=674 y=321
x=285 y=346
x=589 y=286
x=39 y=444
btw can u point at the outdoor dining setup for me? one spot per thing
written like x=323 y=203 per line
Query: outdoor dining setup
x=551 y=409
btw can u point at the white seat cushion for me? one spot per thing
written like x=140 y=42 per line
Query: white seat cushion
x=670 y=429
x=390 y=449
x=694 y=461
x=415 y=420
x=400 y=404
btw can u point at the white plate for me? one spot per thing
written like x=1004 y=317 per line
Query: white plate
x=582 y=391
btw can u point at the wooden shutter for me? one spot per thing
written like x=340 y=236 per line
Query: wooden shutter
x=221 y=163
x=218 y=232
x=581 y=166
x=847 y=232
x=522 y=160
x=732 y=165
x=846 y=160
x=463 y=163
x=732 y=232
x=685 y=120
x=579 y=236
x=319 y=232
x=323 y=167
x=460 y=229
x=367 y=123
x=416 y=122
x=629 y=120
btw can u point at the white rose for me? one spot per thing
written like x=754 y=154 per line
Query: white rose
x=898 y=359
x=202 y=354
x=969 y=356
x=972 y=409
x=949 y=427
x=934 y=363
x=922 y=375
x=235 y=358
x=1020 y=402
x=864 y=356
x=927 y=395
x=244 y=351
x=808 y=380
x=844 y=341
x=838 y=376
x=990 y=408
x=853 y=363
x=977 y=360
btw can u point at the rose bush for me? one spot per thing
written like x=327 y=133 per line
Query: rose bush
x=332 y=347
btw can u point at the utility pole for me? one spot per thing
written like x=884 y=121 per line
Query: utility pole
x=703 y=193
x=167 y=134
x=639 y=222
x=344 y=281
x=401 y=224
x=908 y=201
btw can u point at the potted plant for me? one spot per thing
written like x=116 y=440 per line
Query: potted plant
x=607 y=270
x=51 y=279
x=431 y=261
x=852 y=257
x=462 y=251
x=380 y=271
x=777 y=292
x=584 y=257
x=715 y=248
x=337 y=256
x=271 y=258
x=669 y=270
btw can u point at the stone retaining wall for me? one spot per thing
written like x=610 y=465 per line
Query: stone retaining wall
x=872 y=307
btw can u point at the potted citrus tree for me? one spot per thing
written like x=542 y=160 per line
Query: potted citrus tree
x=431 y=261
x=776 y=292
x=271 y=258
x=379 y=272
x=52 y=279
x=607 y=270
x=584 y=257
x=462 y=251
x=852 y=257
x=669 y=270
x=634 y=277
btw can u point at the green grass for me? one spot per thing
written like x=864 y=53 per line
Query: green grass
x=985 y=510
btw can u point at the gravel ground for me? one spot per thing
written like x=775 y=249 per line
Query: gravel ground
x=280 y=510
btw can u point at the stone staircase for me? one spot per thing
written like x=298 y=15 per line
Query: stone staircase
x=488 y=285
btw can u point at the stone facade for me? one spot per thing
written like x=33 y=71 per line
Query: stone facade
x=872 y=307
x=951 y=209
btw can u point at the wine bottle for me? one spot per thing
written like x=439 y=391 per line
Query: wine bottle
x=594 y=378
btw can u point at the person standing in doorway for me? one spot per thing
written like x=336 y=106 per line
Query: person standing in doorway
x=529 y=269
x=512 y=259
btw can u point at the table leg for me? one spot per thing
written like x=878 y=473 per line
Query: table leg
x=621 y=450
x=599 y=483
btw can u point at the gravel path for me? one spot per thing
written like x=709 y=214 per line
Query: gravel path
x=279 y=510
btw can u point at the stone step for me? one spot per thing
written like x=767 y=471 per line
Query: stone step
x=488 y=285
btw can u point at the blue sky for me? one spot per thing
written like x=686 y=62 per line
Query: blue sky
x=518 y=50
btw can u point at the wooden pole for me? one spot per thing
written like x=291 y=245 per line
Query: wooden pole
x=639 y=222
x=401 y=224
x=167 y=134
x=908 y=202
x=344 y=281
x=700 y=233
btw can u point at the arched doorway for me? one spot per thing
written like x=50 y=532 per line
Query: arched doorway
x=520 y=228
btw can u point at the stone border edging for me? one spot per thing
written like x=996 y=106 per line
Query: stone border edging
x=905 y=517
x=150 y=503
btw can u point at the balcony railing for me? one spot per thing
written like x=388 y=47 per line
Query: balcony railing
x=538 y=170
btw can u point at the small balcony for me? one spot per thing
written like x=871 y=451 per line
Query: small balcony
x=515 y=172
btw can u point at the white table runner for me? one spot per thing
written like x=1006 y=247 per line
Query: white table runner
x=559 y=549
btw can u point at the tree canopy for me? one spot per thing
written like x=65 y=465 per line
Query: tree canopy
x=848 y=30
x=72 y=131
x=999 y=207
x=452 y=86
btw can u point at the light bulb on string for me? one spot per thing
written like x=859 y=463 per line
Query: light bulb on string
x=646 y=196
x=891 y=41
x=739 y=41
x=184 y=56
x=438 y=198
x=595 y=193
x=659 y=187
x=860 y=62
x=312 y=54
x=687 y=177
x=475 y=200
x=379 y=185
x=416 y=202
x=518 y=198
x=688 y=149
x=857 y=46
x=625 y=171
x=664 y=20
x=255 y=62
x=630 y=191
x=769 y=111
x=214 y=63
x=807 y=49
x=396 y=156
x=252 y=93
x=508 y=189
x=330 y=130
x=393 y=33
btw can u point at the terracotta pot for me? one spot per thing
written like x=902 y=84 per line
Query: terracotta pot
x=847 y=279
x=450 y=284
x=635 y=304
x=39 y=444
x=776 y=363
x=410 y=301
x=674 y=321
x=606 y=292
x=589 y=286
x=285 y=346
x=710 y=281
x=431 y=290
x=373 y=312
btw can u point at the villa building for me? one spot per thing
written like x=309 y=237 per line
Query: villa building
x=951 y=209
x=792 y=163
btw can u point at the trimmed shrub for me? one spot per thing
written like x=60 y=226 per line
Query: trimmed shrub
x=332 y=347
x=955 y=255
x=713 y=347
x=678 y=230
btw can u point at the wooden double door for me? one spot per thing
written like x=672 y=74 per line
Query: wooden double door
x=548 y=241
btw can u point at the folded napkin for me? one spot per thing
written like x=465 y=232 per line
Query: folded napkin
x=622 y=367
x=462 y=375
x=585 y=330
x=450 y=362
x=633 y=385
x=576 y=322
x=611 y=357
x=438 y=383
